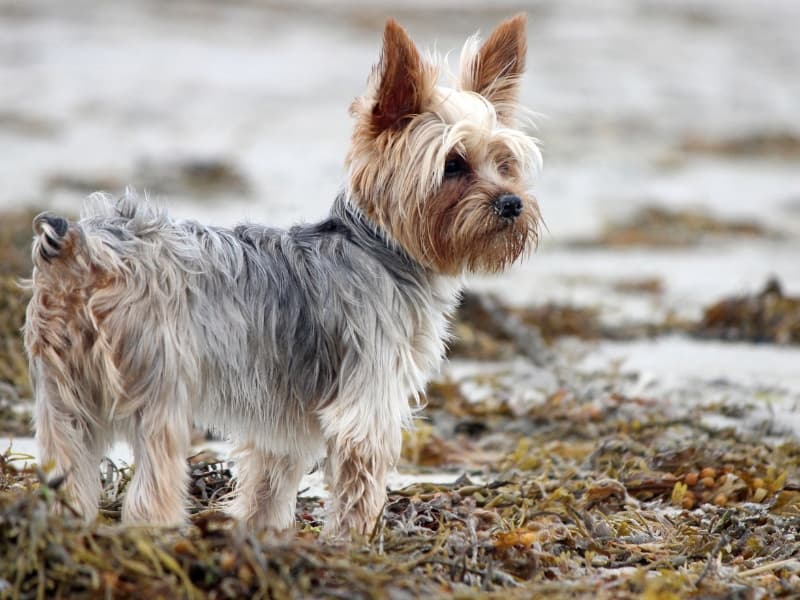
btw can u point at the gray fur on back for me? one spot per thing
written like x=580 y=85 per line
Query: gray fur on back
x=273 y=323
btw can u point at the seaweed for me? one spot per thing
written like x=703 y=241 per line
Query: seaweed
x=486 y=328
x=659 y=227
x=583 y=493
x=767 y=316
x=763 y=144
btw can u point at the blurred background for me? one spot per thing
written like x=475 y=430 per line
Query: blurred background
x=238 y=110
x=670 y=129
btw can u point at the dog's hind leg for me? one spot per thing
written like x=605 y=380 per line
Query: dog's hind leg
x=161 y=439
x=71 y=440
x=72 y=431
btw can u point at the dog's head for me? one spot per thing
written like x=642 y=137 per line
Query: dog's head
x=445 y=171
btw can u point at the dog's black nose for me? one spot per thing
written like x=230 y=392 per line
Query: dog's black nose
x=508 y=206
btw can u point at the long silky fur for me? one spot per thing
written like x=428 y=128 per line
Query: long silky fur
x=298 y=343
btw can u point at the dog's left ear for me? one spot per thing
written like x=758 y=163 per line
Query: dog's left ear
x=494 y=71
x=401 y=78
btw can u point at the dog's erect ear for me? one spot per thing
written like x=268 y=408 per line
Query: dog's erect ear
x=401 y=79
x=494 y=70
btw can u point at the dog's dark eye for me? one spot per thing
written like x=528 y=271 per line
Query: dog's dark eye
x=454 y=167
x=504 y=167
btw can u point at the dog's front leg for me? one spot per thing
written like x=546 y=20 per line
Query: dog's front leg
x=357 y=471
x=363 y=440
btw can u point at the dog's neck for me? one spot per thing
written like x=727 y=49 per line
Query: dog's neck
x=364 y=232
x=370 y=237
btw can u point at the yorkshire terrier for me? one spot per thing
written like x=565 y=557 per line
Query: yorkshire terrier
x=296 y=343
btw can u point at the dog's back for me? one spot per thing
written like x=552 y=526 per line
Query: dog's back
x=242 y=305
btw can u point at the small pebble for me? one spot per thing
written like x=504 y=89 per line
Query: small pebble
x=227 y=560
x=707 y=482
x=708 y=472
x=691 y=479
x=721 y=500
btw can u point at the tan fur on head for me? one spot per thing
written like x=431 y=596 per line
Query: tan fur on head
x=408 y=129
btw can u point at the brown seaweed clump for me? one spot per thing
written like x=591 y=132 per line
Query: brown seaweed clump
x=768 y=316
x=762 y=144
x=656 y=226
x=486 y=329
x=555 y=320
x=13 y=362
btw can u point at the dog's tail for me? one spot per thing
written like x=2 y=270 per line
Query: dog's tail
x=52 y=239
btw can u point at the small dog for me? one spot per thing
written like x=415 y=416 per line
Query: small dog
x=297 y=344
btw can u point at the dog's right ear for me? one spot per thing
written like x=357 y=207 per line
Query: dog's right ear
x=402 y=80
x=494 y=71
